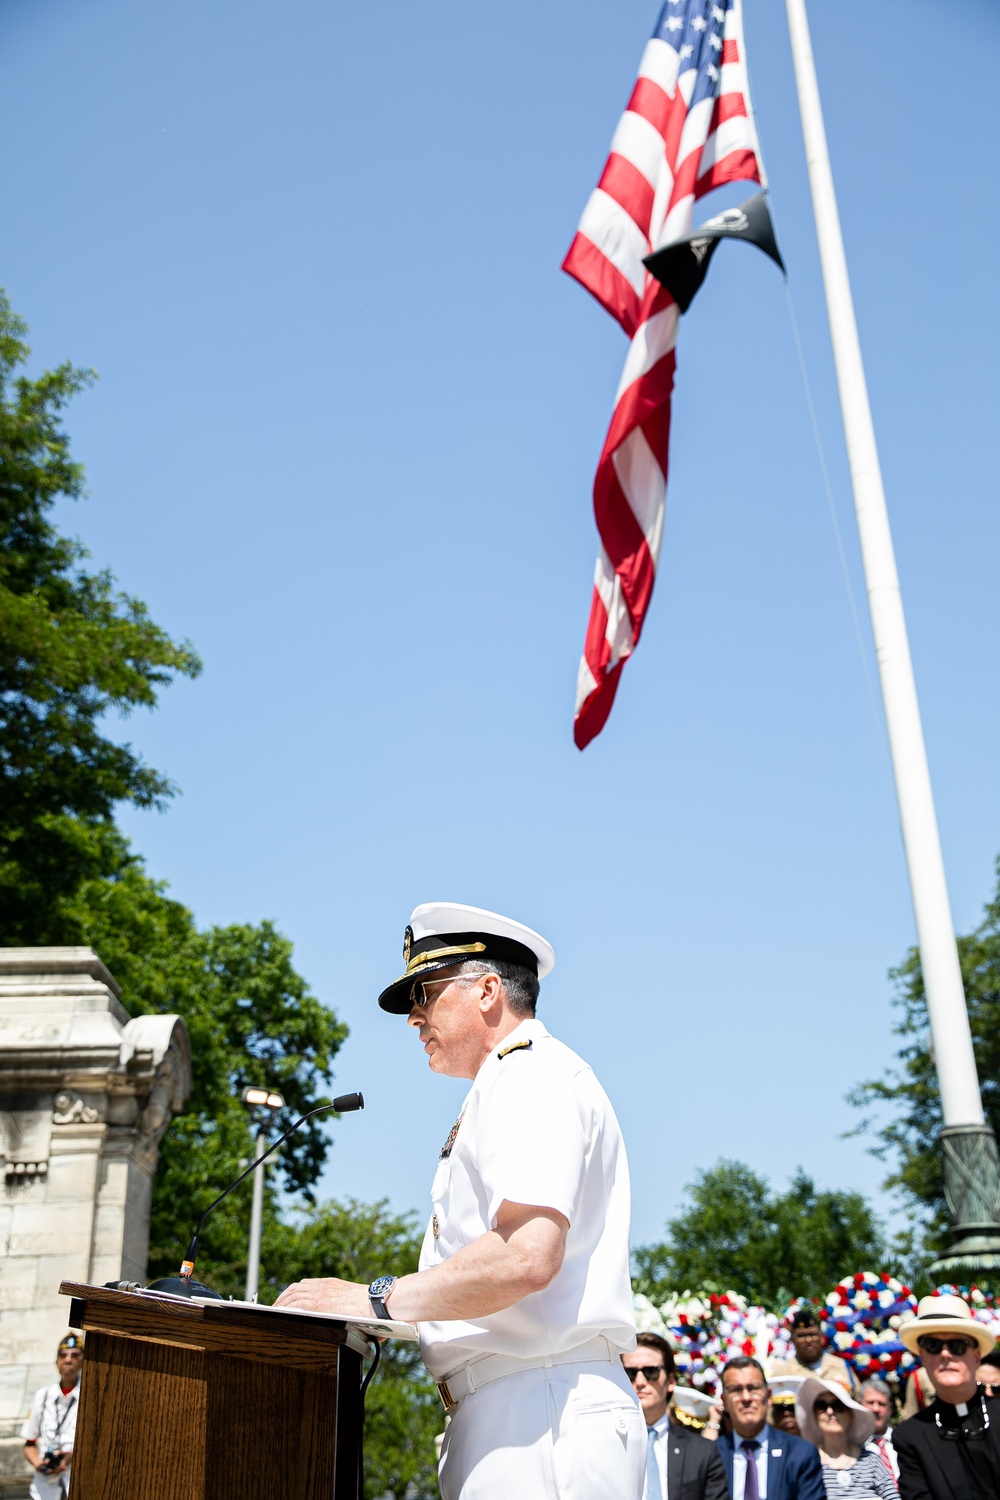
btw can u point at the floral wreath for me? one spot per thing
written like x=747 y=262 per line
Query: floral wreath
x=862 y=1316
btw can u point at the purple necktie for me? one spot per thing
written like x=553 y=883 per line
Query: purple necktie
x=750 y=1488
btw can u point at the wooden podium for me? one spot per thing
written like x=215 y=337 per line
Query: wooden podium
x=187 y=1401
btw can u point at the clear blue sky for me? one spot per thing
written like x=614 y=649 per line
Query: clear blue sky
x=344 y=437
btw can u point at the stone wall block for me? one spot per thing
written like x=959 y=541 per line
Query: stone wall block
x=86 y=1095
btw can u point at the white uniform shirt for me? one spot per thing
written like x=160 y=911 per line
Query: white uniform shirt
x=52 y=1424
x=740 y=1465
x=536 y=1128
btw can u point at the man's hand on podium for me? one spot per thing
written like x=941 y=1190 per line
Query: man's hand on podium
x=328 y=1294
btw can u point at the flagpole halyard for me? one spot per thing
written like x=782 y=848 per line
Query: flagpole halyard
x=971 y=1165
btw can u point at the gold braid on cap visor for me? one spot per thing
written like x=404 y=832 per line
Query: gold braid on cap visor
x=416 y=964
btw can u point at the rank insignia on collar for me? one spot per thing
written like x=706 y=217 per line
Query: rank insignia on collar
x=445 y=1151
x=514 y=1047
x=407 y=940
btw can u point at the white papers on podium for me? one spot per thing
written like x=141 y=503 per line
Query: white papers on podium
x=371 y=1327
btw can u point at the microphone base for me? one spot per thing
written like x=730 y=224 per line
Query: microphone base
x=183 y=1286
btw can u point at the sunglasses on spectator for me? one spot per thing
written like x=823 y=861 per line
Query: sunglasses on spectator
x=990 y=1387
x=832 y=1405
x=650 y=1373
x=931 y=1345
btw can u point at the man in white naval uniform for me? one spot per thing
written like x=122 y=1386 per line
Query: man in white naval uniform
x=523 y=1295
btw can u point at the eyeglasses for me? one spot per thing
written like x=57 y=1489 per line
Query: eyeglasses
x=821 y=1406
x=990 y=1387
x=649 y=1373
x=932 y=1345
x=743 y=1390
x=419 y=995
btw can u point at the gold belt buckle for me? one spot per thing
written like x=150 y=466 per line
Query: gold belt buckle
x=447 y=1399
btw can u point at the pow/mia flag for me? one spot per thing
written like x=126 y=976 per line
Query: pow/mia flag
x=681 y=265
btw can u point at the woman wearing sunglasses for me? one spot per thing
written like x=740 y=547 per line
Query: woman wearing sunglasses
x=951 y=1449
x=829 y=1416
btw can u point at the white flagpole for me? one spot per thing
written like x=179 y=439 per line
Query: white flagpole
x=961 y=1102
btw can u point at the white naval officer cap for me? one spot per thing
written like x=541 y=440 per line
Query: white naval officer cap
x=442 y=934
x=695 y=1405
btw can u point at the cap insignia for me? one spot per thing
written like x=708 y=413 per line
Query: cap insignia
x=514 y=1047
x=407 y=940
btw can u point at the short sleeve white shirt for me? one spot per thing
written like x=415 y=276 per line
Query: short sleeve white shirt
x=52 y=1424
x=536 y=1128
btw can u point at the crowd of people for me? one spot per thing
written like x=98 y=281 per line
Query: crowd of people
x=807 y=1429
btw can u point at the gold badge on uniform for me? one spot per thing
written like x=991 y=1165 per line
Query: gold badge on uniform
x=435 y=1226
x=407 y=940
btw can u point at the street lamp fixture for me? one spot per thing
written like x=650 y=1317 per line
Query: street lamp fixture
x=258 y=1098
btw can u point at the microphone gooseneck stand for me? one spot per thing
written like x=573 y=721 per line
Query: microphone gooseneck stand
x=182 y=1285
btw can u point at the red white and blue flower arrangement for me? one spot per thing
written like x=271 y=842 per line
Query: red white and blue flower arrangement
x=860 y=1322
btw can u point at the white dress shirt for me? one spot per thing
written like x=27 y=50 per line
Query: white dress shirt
x=740 y=1465
x=660 y=1441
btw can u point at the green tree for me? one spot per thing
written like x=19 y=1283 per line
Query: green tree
x=71 y=649
x=402 y=1411
x=735 y=1232
x=909 y=1093
x=252 y=1019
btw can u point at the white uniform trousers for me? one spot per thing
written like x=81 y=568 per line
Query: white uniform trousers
x=570 y=1432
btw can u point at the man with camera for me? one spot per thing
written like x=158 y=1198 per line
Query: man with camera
x=51 y=1426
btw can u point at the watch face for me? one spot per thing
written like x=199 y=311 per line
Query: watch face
x=380 y=1287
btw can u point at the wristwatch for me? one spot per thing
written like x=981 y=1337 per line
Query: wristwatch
x=378 y=1292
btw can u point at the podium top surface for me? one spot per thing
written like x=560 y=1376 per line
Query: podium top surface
x=158 y=1314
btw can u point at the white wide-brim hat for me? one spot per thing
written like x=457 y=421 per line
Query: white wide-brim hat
x=945 y=1317
x=862 y=1421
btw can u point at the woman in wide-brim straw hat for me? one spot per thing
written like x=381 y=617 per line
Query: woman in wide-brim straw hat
x=944 y=1317
x=829 y=1416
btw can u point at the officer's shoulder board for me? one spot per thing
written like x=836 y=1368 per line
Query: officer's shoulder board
x=514 y=1047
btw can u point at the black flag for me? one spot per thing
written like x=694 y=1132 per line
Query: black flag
x=681 y=265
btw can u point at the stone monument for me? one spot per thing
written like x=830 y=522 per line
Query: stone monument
x=86 y=1095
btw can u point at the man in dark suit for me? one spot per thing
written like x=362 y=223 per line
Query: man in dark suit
x=761 y=1462
x=951 y=1449
x=680 y=1464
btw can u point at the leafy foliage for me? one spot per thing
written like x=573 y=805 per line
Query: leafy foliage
x=71 y=649
x=736 y=1232
x=403 y=1413
x=252 y=1019
x=910 y=1135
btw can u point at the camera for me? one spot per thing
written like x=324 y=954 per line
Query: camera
x=53 y=1458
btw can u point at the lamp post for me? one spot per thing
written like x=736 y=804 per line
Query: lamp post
x=254 y=1099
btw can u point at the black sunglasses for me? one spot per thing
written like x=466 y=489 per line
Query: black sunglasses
x=650 y=1373
x=932 y=1345
x=828 y=1405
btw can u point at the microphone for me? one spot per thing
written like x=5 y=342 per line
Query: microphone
x=182 y=1285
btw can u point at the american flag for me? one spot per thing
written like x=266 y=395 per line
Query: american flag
x=687 y=129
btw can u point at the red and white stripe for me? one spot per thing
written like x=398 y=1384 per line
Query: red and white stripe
x=664 y=157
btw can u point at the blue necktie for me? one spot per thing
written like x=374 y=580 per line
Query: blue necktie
x=654 y=1490
x=751 y=1490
